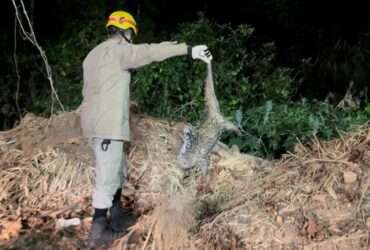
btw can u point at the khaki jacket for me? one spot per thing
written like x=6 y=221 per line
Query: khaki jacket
x=106 y=90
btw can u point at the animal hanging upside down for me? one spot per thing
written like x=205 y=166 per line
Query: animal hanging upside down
x=199 y=142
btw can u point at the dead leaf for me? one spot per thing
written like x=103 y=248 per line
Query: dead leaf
x=349 y=177
x=10 y=229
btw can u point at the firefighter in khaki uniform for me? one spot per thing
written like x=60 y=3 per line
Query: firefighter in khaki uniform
x=105 y=113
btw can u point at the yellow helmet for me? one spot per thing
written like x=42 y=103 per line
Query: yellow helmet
x=122 y=20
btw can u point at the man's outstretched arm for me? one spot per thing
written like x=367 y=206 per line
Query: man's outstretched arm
x=137 y=55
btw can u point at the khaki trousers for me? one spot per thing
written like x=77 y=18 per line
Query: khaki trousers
x=110 y=170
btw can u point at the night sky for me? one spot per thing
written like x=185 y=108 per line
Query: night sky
x=299 y=28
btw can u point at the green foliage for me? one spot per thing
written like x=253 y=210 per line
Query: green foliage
x=245 y=73
x=246 y=76
x=66 y=59
x=272 y=129
x=367 y=109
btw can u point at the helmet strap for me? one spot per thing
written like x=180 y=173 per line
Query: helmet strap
x=127 y=35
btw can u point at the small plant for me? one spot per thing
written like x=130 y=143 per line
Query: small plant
x=272 y=129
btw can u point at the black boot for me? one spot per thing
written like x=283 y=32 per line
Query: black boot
x=121 y=218
x=101 y=233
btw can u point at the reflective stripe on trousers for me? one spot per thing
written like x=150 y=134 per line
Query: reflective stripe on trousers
x=110 y=170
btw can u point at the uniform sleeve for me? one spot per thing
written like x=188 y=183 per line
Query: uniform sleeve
x=137 y=55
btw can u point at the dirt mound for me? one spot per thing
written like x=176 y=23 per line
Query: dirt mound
x=47 y=170
x=314 y=198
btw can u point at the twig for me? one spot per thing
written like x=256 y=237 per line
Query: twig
x=318 y=145
x=62 y=210
x=16 y=68
x=149 y=235
x=182 y=107
x=145 y=168
x=302 y=146
x=364 y=191
x=328 y=161
x=31 y=37
x=8 y=142
x=227 y=212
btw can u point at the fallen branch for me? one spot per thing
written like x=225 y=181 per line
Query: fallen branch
x=149 y=235
x=328 y=161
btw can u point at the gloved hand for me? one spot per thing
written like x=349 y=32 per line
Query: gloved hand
x=201 y=52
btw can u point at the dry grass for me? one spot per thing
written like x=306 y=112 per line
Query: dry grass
x=170 y=224
x=314 y=198
x=153 y=156
x=218 y=238
x=317 y=198
x=49 y=179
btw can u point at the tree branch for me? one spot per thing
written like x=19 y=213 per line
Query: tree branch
x=15 y=58
x=31 y=37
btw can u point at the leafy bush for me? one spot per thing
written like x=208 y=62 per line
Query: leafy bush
x=272 y=129
x=245 y=73
x=67 y=56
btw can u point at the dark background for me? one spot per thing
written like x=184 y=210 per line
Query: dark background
x=328 y=42
x=300 y=29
